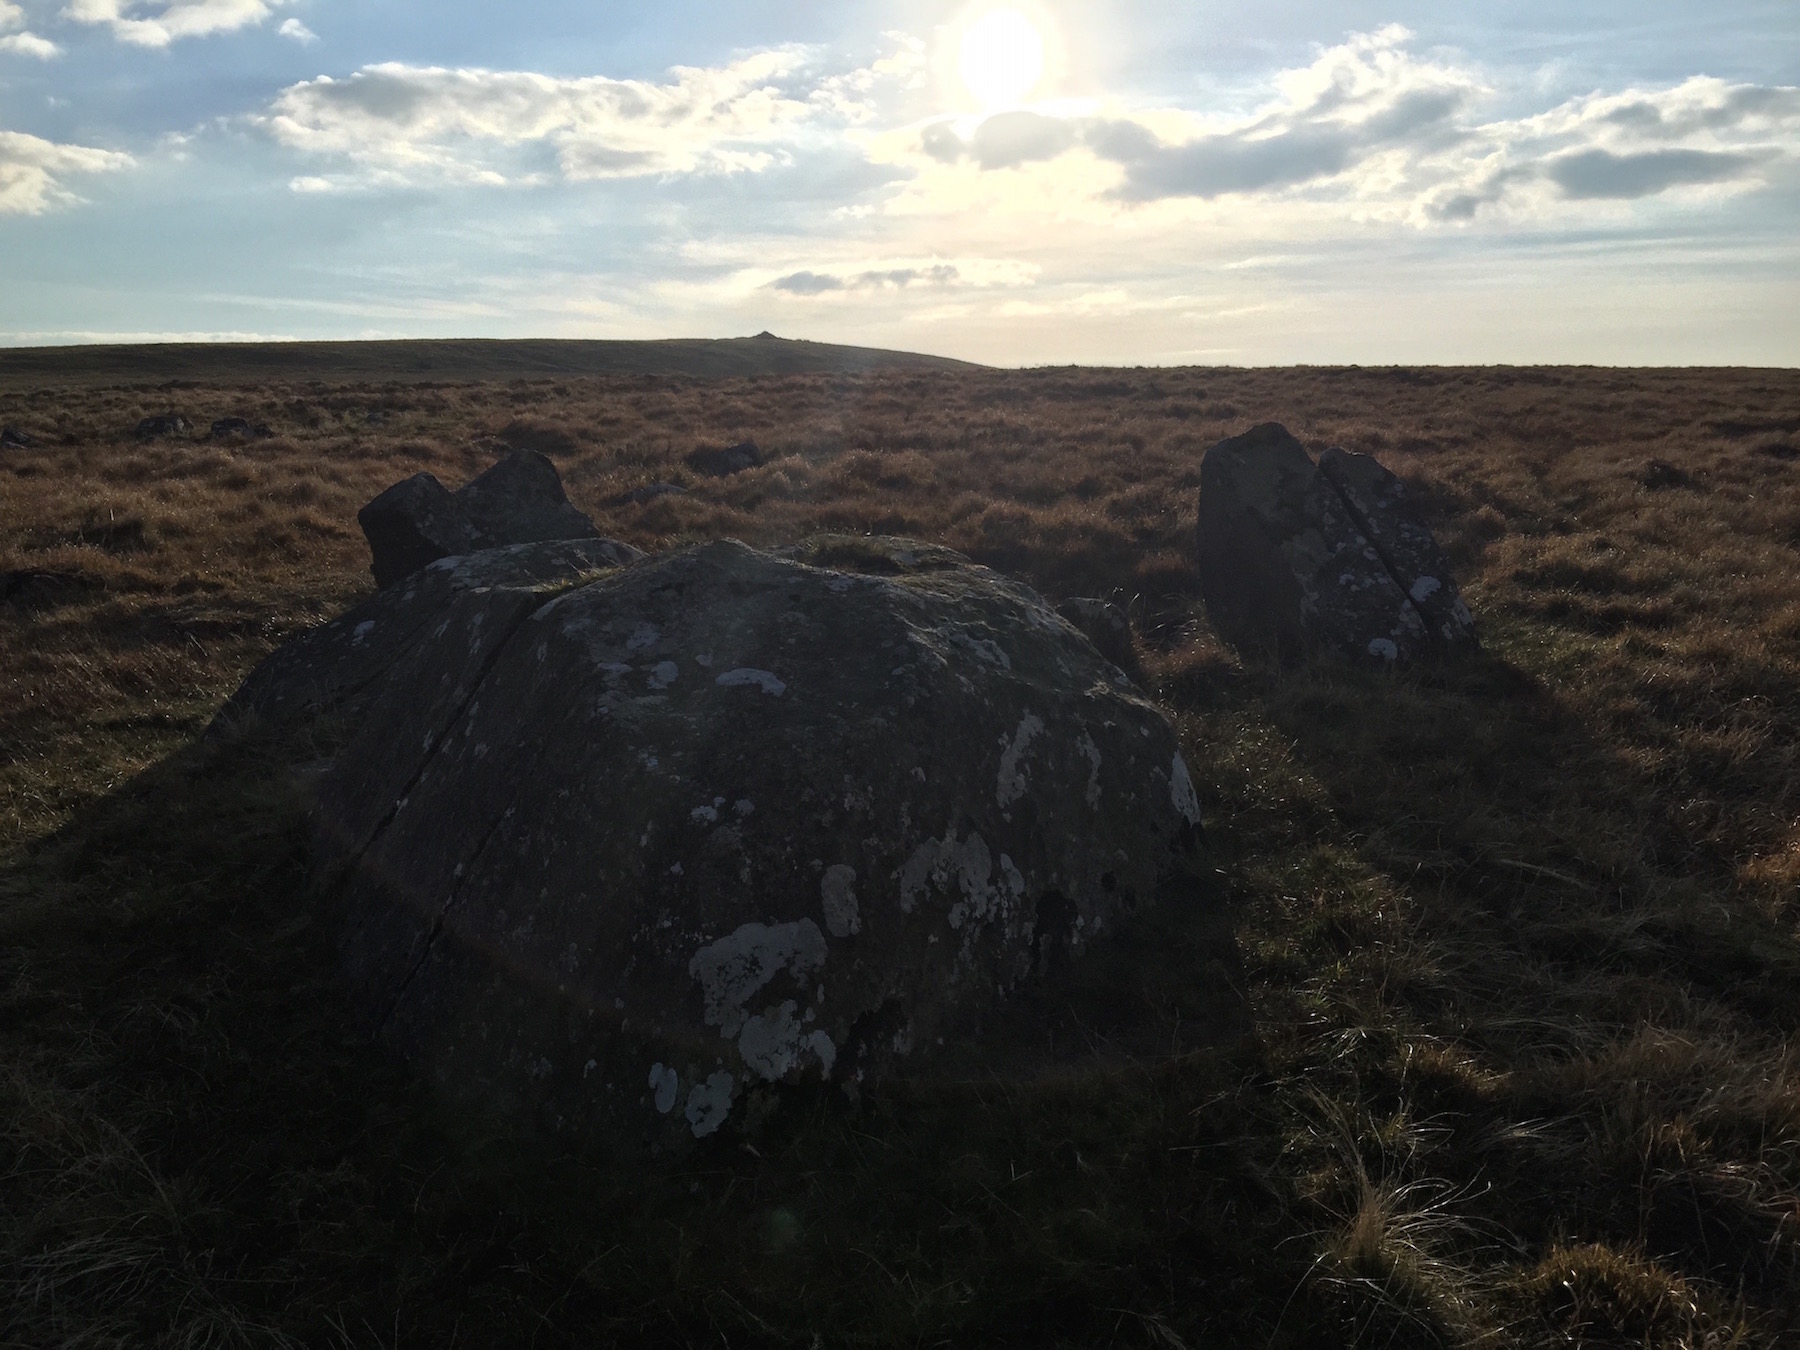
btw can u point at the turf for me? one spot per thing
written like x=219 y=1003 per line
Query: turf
x=1517 y=937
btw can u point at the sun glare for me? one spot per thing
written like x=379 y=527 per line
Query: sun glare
x=1002 y=58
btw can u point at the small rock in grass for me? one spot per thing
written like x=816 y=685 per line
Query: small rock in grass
x=170 y=424
x=1659 y=475
x=722 y=462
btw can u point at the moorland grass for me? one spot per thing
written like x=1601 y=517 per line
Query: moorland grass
x=1518 y=936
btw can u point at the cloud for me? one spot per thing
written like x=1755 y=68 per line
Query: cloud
x=167 y=20
x=400 y=123
x=296 y=31
x=1387 y=134
x=32 y=171
x=22 y=44
x=903 y=274
x=29 y=44
x=1588 y=174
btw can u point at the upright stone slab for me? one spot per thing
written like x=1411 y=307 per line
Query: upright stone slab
x=727 y=818
x=1283 y=566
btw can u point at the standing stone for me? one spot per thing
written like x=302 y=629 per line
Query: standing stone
x=615 y=853
x=520 y=500
x=1282 y=566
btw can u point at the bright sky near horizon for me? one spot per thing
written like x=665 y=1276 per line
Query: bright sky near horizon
x=1016 y=182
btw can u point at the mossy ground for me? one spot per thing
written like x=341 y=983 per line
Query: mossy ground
x=1518 y=937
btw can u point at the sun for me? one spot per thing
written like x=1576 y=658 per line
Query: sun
x=1002 y=58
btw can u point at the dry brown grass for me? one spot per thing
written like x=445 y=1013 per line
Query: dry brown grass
x=1520 y=937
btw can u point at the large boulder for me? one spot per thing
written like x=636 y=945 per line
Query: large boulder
x=614 y=852
x=1295 y=556
x=520 y=500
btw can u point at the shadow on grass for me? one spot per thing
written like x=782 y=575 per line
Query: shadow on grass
x=197 y=1148
x=1558 y=1023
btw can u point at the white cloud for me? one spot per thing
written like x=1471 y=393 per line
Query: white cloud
x=1376 y=132
x=32 y=171
x=296 y=31
x=22 y=44
x=157 y=23
x=401 y=123
x=29 y=44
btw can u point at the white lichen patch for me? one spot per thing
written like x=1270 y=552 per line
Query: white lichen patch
x=1181 y=791
x=363 y=630
x=643 y=636
x=963 y=869
x=1426 y=587
x=837 y=894
x=664 y=1083
x=767 y=681
x=709 y=1103
x=1092 y=754
x=734 y=969
x=775 y=1043
x=1014 y=777
x=1384 y=648
x=663 y=674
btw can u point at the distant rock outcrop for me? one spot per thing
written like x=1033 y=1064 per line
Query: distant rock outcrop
x=616 y=851
x=520 y=500
x=11 y=438
x=1295 y=555
x=722 y=462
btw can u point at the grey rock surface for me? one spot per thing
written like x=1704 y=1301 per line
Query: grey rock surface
x=1291 y=556
x=13 y=439
x=338 y=668
x=614 y=852
x=520 y=500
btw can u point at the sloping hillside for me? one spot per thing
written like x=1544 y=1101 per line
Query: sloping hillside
x=451 y=359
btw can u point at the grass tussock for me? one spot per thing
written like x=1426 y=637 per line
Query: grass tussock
x=1519 y=937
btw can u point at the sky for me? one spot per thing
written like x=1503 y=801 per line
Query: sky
x=1018 y=182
